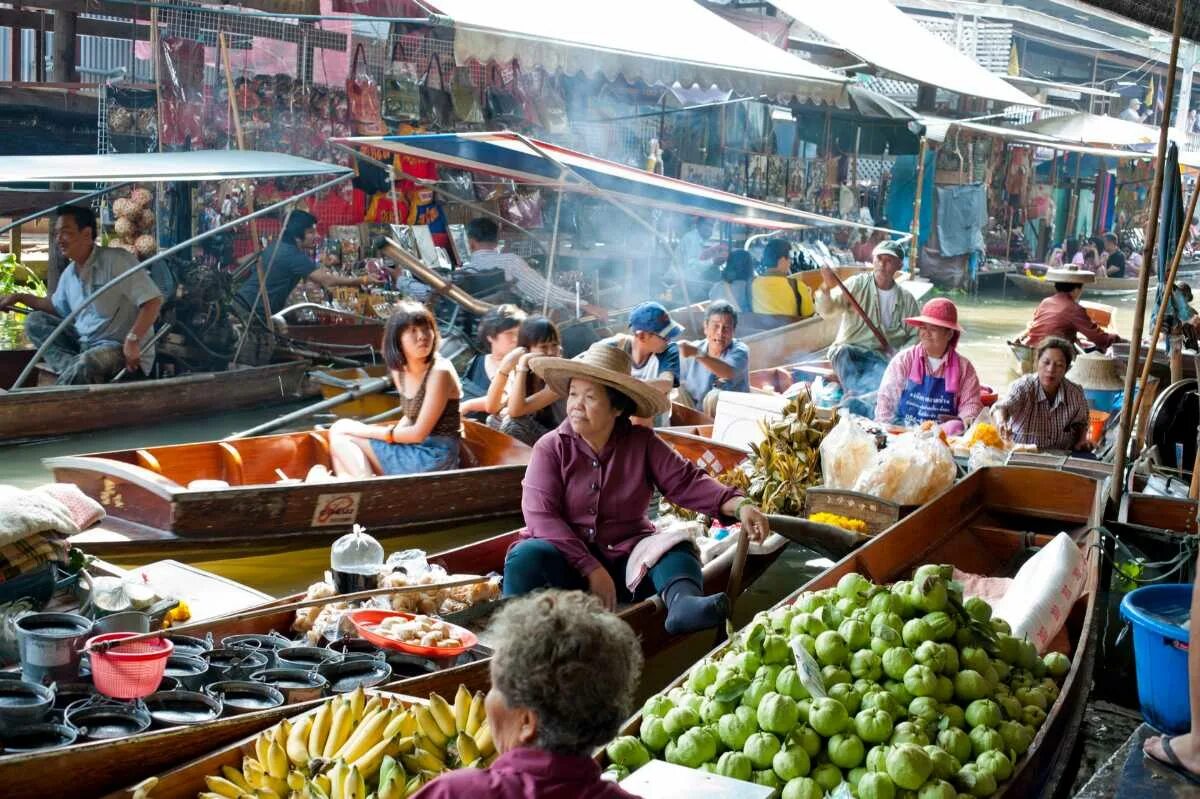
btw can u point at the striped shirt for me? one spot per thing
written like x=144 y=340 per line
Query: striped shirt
x=1034 y=419
x=529 y=282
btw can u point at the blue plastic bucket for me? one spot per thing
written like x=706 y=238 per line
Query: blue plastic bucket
x=1160 y=650
x=1103 y=400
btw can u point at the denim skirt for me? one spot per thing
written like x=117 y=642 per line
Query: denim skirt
x=434 y=454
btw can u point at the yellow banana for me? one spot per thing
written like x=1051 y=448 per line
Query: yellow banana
x=483 y=739
x=392 y=787
x=223 y=787
x=320 y=729
x=364 y=737
x=443 y=714
x=476 y=715
x=414 y=785
x=356 y=786
x=142 y=789
x=267 y=793
x=274 y=785
x=369 y=762
x=282 y=730
x=468 y=750
x=296 y=781
x=339 y=730
x=209 y=795
x=261 y=742
x=277 y=761
x=462 y=707
x=428 y=761
x=357 y=700
x=315 y=791
x=321 y=785
x=387 y=767
x=337 y=779
x=373 y=704
x=402 y=723
x=254 y=771
x=236 y=777
x=428 y=726
x=297 y=742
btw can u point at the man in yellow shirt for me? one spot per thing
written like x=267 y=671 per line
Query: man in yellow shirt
x=776 y=293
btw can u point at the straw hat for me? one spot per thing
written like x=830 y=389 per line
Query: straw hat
x=1095 y=372
x=1070 y=274
x=940 y=312
x=605 y=364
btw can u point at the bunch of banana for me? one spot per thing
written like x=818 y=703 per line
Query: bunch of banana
x=348 y=749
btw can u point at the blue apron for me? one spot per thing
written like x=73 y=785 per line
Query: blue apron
x=927 y=401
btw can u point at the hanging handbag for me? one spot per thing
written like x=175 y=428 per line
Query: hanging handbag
x=437 y=108
x=465 y=97
x=501 y=106
x=401 y=88
x=362 y=94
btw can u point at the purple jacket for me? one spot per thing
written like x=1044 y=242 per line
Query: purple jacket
x=575 y=500
x=527 y=774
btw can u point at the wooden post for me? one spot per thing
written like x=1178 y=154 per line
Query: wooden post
x=16 y=50
x=1174 y=358
x=1116 y=484
x=63 y=70
x=39 y=50
x=1074 y=206
x=914 y=247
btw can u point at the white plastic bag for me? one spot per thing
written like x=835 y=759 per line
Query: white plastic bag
x=982 y=455
x=845 y=453
x=913 y=469
x=1043 y=591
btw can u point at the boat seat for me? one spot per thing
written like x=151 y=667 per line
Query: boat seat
x=45 y=375
x=322 y=454
x=146 y=460
x=232 y=461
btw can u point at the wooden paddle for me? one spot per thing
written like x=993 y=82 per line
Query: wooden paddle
x=372 y=386
x=883 y=342
x=271 y=610
x=734 y=587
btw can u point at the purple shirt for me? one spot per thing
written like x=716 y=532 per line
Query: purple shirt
x=527 y=774
x=583 y=503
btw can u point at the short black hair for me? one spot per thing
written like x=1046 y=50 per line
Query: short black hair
x=1110 y=237
x=721 y=307
x=407 y=314
x=776 y=249
x=83 y=215
x=297 y=225
x=621 y=401
x=1057 y=343
x=496 y=321
x=483 y=230
x=1065 y=287
x=739 y=266
x=538 y=330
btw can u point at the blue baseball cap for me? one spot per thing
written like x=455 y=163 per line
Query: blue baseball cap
x=652 y=317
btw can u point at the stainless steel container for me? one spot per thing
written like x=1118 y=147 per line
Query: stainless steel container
x=127 y=621
x=304 y=657
x=50 y=644
x=234 y=663
x=297 y=685
x=33 y=737
x=268 y=644
x=23 y=703
x=192 y=673
x=101 y=719
x=181 y=708
x=242 y=696
x=347 y=675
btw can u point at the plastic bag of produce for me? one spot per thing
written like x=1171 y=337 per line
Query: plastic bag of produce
x=982 y=455
x=913 y=469
x=1043 y=591
x=846 y=452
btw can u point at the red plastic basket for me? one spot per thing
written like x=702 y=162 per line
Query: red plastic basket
x=365 y=621
x=129 y=671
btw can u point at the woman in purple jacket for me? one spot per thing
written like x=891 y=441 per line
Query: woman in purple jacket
x=563 y=680
x=587 y=489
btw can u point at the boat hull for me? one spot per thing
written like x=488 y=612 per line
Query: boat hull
x=1036 y=288
x=60 y=410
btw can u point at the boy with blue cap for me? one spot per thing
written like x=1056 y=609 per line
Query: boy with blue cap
x=650 y=344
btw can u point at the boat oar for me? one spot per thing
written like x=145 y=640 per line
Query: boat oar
x=831 y=541
x=883 y=342
x=372 y=386
x=271 y=610
x=734 y=587
x=162 y=331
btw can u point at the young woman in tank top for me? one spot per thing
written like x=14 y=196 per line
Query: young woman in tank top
x=426 y=439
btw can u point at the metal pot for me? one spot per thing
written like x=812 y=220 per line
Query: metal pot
x=296 y=685
x=68 y=693
x=234 y=663
x=241 y=696
x=98 y=719
x=189 y=645
x=50 y=644
x=23 y=703
x=192 y=673
x=268 y=644
x=32 y=737
x=167 y=684
x=346 y=675
x=181 y=708
x=127 y=621
x=405 y=665
x=353 y=648
x=304 y=657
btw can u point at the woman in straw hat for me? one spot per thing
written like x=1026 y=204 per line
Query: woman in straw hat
x=1046 y=409
x=587 y=489
x=1060 y=315
x=930 y=381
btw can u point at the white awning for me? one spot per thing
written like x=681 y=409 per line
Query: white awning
x=151 y=167
x=881 y=34
x=937 y=129
x=1095 y=129
x=654 y=41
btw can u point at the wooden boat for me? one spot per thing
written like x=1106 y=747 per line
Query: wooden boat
x=1038 y=288
x=1162 y=360
x=152 y=509
x=43 y=412
x=320 y=327
x=980 y=525
x=790 y=342
x=111 y=765
x=1166 y=516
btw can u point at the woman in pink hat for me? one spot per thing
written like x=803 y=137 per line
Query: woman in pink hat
x=930 y=381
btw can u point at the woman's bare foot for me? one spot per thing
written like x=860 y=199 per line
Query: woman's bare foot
x=1186 y=751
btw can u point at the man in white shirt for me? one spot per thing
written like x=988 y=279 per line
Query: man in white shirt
x=483 y=236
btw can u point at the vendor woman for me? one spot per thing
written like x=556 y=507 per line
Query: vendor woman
x=931 y=381
x=588 y=487
x=1045 y=408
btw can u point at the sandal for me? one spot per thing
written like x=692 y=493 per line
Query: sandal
x=1173 y=762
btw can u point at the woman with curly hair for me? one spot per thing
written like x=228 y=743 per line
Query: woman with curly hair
x=563 y=679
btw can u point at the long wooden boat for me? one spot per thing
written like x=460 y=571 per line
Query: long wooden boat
x=980 y=525
x=43 y=412
x=110 y=765
x=1168 y=517
x=1162 y=360
x=322 y=328
x=1037 y=288
x=154 y=506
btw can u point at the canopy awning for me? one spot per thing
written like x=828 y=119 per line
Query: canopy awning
x=937 y=129
x=198 y=165
x=663 y=41
x=1083 y=128
x=533 y=162
x=881 y=34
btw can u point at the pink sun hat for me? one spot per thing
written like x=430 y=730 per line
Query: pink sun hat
x=939 y=311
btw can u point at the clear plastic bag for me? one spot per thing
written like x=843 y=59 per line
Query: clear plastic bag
x=912 y=470
x=982 y=455
x=845 y=453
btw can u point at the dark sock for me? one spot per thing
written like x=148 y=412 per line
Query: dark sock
x=689 y=611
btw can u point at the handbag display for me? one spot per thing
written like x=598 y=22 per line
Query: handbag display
x=437 y=107
x=501 y=106
x=464 y=96
x=362 y=94
x=402 y=89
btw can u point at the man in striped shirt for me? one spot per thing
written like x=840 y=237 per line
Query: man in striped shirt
x=534 y=289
